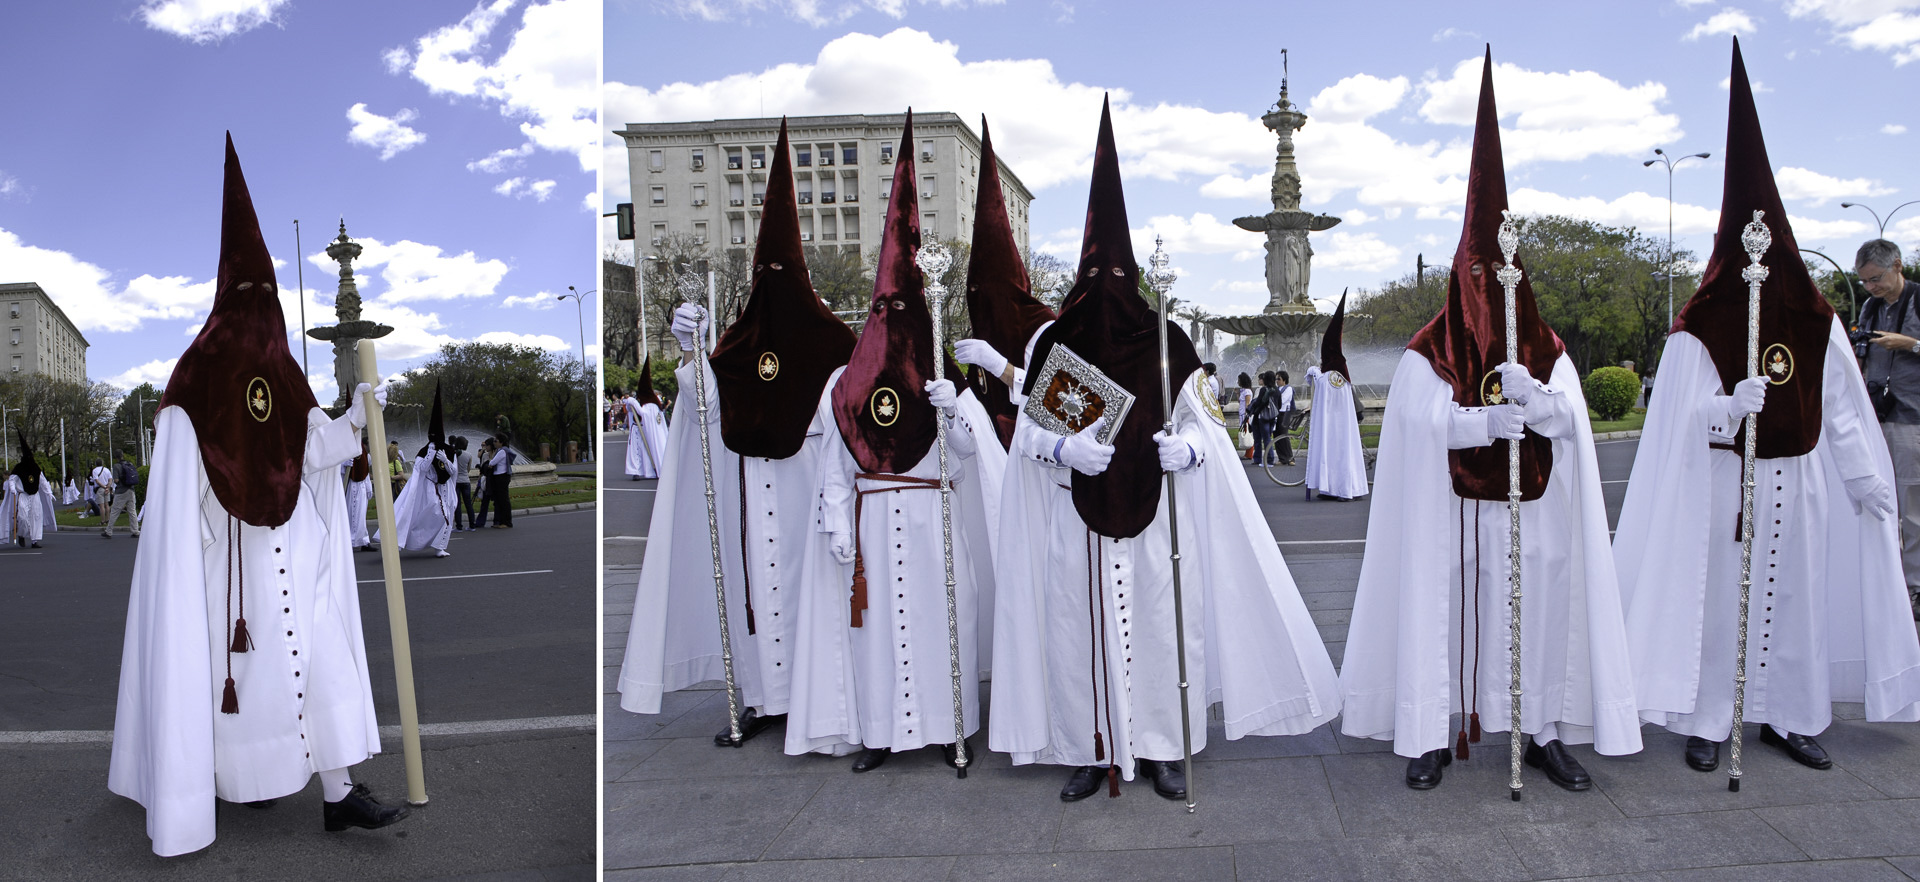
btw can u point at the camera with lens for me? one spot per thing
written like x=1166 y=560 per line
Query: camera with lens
x=1861 y=339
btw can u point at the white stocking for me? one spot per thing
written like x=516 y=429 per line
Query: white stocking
x=335 y=784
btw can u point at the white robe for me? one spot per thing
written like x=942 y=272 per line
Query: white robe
x=1252 y=647
x=673 y=638
x=358 y=492
x=646 y=432
x=1828 y=613
x=1403 y=669
x=306 y=704
x=889 y=683
x=72 y=494
x=423 y=514
x=24 y=515
x=1336 y=462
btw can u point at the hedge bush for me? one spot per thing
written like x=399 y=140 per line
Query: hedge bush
x=1611 y=392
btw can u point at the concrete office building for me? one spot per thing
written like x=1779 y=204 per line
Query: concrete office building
x=40 y=338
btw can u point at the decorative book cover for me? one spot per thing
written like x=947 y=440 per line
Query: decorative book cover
x=1069 y=394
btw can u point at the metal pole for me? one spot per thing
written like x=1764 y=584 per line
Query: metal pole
x=933 y=261
x=63 y=454
x=713 y=321
x=1669 y=245
x=1161 y=279
x=580 y=323
x=300 y=270
x=690 y=289
x=1853 y=305
x=1756 y=239
x=1509 y=276
x=396 y=589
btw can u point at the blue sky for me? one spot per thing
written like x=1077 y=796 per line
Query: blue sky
x=459 y=141
x=1586 y=92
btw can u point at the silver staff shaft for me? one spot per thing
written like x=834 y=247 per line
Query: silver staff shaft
x=1756 y=239
x=690 y=288
x=1509 y=276
x=1161 y=279
x=934 y=260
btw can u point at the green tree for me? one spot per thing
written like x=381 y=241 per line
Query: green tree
x=542 y=394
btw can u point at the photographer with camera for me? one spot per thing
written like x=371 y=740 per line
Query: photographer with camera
x=1886 y=341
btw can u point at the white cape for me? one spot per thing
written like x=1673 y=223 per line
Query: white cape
x=423 y=515
x=72 y=494
x=646 y=438
x=1252 y=647
x=23 y=515
x=1851 y=639
x=1336 y=462
x=1403 y=654
x=358 y=494
x=173 y=751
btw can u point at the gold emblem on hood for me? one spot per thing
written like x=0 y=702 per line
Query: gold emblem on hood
x=884 y=404
x=259 y=400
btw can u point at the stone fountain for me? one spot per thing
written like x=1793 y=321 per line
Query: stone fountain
x=1290 y=325
x=346 y=335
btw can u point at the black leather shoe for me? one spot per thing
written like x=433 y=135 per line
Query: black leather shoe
x=361 y=810
x=1169 y=778
x=261 y=803
x=1423 y=771
x=872 y=758
x=947 y=752
x=1802 y=748
x=1703 y=755
x=1084 y=782
x=1560 y=766
x=751 y=724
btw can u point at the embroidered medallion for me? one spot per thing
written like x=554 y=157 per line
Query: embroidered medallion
x=1336 y=379
x=1490 y=393
x=884 y=406
x=1204 y=392
x=1777 y=363
x=769 y=366
x=259 y=400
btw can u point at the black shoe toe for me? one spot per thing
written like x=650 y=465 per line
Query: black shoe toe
x=872 y=758
x=1423 y=771
x=361 y=810
x=1169 y=777
x=1084 y=782
x=1560 y=766
x=1703 y=755
x=1802 y=748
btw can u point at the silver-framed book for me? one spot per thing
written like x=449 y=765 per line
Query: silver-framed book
x=1069 y=394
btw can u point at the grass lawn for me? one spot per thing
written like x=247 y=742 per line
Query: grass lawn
x=1634 y=419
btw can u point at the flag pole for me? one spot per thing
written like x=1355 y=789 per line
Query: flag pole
x=396 y=591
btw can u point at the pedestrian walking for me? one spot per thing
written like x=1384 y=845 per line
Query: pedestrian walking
x=125 y=479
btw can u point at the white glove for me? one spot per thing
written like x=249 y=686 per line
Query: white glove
x=1516 y=383
x=977 y=352
x=1507 y=421
x=689 y=321
x=1749 y=395
x=943 y=396
x=357 y=410
x=1870 y=495
x=841 y=542
x=1312 y=373
x=1175 y=453
x=1082 y=453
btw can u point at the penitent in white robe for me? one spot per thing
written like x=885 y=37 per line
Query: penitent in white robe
x=358 y=493
x=646 y=438
x=306 y=704
x=423 y=513
x=1828 y=614
x=72 y=494
x=1336 y=463
x=889 y=683
x=1404 y=671
x=26 y=516
x=673 y=638
x=1252 y=647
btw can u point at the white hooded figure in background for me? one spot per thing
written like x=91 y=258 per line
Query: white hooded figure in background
x=244 y=672
x=72 y=494
x=1336 y=461
x=646 y=429
x=26 y=509
x=357 y=474
x=423 y=513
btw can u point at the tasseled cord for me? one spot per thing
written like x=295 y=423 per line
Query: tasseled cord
x=239 y=640
x=1470 y=731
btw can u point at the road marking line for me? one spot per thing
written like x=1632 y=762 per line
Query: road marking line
x=468 y=576
x=1324 y=542
x=625 y=539
x=476 y=727
x=631 y=490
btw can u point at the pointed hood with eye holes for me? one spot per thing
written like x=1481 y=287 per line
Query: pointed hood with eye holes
x=773 y=361
x=27 y=469
x=881 y=401
x=1000 y=302
x=1333 y=359
x=238 y=382
x=437 y=438
x=1795 y=320
x=1106 y=321
x=644 y=392
x=1467 y=341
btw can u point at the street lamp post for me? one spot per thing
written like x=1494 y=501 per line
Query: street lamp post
x=6 y=438
x=1661 y=156
x=1876 y=215
x=586 y=393
x=1853 y=302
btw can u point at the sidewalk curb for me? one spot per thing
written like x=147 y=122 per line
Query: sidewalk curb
x=550 y=509
x=1617 y=436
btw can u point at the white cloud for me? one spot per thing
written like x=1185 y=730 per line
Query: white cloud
x=414 y=271
x=502 y=160
x=822 y=12
x=156 y=372
x=1848 y=233
x=1881 y=25
x=541 y=301
x=208 y=21
x=1689 y=4
x=1556 y=116
x=1200 y=234
x=1445 y=34
x=388 y=134
x=1638 y=209
x=1759 y=88
x=1355 y=251
x=1727 y=21
x=520 y=188
x=547 y=342
x=1239 y=287
x=1888 y=129
x=590 y=202
x=89 y=296
x=11 y=188
x=1803 y=184
x=542 y=79
x=1356 y=98
x=413 y=332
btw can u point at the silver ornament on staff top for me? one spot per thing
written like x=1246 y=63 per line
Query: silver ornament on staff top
x=934 y=260
x=1161 y=278
x=1509 y=276
x=1755 y=239
x=690 y=285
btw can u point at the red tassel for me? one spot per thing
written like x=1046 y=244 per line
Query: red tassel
x=1474 y=725
x=1460 y=747
x=859 y=588
x=242 y=641
x=229 y=701
x=1099 y=750
x=1113 y=782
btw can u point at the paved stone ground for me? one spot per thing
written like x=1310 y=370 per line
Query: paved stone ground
x=1319 y=806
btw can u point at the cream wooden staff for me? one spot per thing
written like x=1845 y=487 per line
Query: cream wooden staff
x=390 y=567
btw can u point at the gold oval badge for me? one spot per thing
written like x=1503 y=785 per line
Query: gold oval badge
x=1490 y=392
x=259 y=399
x=884 y=404
x=1335 y=380
x=769 y=365
x=1777 y=362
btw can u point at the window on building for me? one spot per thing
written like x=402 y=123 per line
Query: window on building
x=16 y=336
x=699 y=159
x=659 y=233
x=926 y=150
x=850 y=188
x=699 y=194
x=849 y=154
x=735 y=196
x=733 y=157
x=656 y=160
x=826 y=154
x=929 y=227
x=805 y=189
x=16 y=310
x=737 y=228
x=16 y=364
x=851 y=224
x=658 y=195
x=759 y=192
x=928 y=187
x=886 y=188
x=828 y=227
x=759 y=155
x=806 y=228
x=699 y=233
x=803 y=156
x=826 y=190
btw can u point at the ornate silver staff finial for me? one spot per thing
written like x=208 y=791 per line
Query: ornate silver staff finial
x=934 y=259
x=1509 y=238
x=1160 y=278
x=1756 y=239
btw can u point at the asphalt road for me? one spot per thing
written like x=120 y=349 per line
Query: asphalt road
x=503 y=641
x=628 y=504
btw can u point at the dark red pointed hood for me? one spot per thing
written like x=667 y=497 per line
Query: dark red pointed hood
x=644 y=392
x=238 y=382
x=1000 y=302
x=1333 y=360
x=881 y=402
x=1795 y=321
x=436 y=425
x=1467 y=341
x=1106 y=321
x=775 y=358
